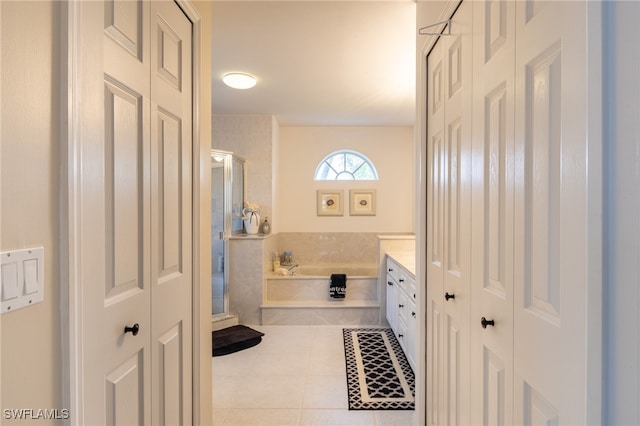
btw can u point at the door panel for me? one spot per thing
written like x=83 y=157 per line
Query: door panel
x=449 y=208
x=495 y=410
x=492 y=214
x=171 y=216
x=136 y=213
x=124 y=386
x=551 y=213
x=124 y=174
x=171 y=367
x=457 y=216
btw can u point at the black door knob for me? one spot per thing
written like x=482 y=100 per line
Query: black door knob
x=133 y=330
x=448 y=296
x=485 y=322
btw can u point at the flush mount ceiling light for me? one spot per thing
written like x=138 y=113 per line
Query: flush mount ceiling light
x=239 y=80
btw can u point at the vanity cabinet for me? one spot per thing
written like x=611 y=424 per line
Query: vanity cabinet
x=401 y=307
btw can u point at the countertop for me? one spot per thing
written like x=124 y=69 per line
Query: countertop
x=406 y=259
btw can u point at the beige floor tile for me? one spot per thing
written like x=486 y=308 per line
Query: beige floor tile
x=219 y=415
x=396 y=417
x=262 y=417
x=325 y=392
x=336 y=418
x=296 y=375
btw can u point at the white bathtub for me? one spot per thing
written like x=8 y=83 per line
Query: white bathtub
x=310 y=283
x=352 y=270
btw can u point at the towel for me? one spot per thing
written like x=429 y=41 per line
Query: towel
x=338 y=286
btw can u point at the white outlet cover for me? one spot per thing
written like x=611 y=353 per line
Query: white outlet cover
x=21 y=278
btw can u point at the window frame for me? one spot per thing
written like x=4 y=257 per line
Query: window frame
x=325 y=162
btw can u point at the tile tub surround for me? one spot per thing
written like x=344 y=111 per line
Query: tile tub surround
x=312 y=248
x=249 y=264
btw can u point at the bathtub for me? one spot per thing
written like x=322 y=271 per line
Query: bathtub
x=351 y=270
x=311 y=283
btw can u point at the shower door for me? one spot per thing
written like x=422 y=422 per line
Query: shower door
x=227 y=199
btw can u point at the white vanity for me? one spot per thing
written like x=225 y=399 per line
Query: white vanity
x=401 y=302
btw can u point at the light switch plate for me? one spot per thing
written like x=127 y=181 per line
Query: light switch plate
x=22 y=278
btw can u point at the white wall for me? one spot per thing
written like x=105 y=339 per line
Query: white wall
x=33 y=350
x=622 y=223
x=391 y=150
x=31 y=337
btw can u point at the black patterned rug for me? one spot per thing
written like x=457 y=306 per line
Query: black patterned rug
x=379 y=376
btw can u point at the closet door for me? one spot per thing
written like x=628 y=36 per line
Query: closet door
x=492 y=223
x=552 y=232
x=171 y=214
x=133 y=214
x=435 y=233
x=450 y=66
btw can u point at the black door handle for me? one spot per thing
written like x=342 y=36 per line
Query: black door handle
x=133 y=330
x=485 y=322
x=448 y=296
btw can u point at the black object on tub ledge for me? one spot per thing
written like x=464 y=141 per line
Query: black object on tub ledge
x=338 y=286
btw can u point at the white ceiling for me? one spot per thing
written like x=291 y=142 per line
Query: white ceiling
x=317 y=62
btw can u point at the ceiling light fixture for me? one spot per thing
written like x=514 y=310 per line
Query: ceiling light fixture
x=239 y=80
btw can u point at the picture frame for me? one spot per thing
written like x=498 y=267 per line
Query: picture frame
x=330 y=202
x=362 y=202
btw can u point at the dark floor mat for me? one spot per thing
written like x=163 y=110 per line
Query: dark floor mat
x=233 y=339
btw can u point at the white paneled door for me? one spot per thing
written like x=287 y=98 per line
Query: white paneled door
x=552 y=235
x=509 y=245
x=136 y=214
x=449 y=220
x=493 y=204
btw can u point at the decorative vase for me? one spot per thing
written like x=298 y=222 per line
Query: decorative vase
x=251 y=222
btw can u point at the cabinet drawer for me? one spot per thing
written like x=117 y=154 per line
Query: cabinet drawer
x=393 y=270
x=403 y=306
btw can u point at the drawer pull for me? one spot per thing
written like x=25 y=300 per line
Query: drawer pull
x=389 y=282
x=448 y=296
x=485 y=322
x=413 y=314
x=400 y=306
x=401 y=280
x=390 y=269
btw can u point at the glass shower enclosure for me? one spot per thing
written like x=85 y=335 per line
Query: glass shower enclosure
x=227 y=201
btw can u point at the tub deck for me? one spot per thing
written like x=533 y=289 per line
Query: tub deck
x=303 y=299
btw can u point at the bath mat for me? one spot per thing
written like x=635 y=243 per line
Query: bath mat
x=233 y=339
x=379 y=376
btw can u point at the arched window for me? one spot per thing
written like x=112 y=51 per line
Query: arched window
x=346 y=165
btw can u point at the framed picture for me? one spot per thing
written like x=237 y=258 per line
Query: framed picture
x=362 y=202
x=330 y=203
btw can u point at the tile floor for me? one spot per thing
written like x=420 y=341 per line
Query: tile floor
x=295 y=376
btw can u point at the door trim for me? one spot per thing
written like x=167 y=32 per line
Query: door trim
x=71 y=218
